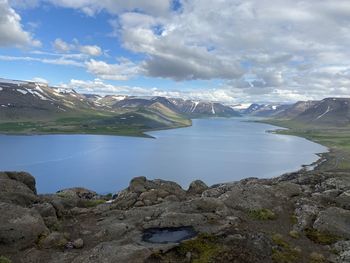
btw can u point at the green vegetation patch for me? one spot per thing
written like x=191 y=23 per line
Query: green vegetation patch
x=283 y=252
x=203 y=249
x=317 y=258
x=294 y=234
x=93 y=203
x=262 y=214
x=4 y=260
x=321 y=237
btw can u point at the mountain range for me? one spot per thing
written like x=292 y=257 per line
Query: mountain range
x=23 y=101
x=326 y=112
x=36 y=107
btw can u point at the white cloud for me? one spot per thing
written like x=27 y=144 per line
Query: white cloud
x=261 y=49
x=91 y=7
x=56 y=61
x=11 y=29
x=91 y=50
x=64 y=47
x=98 y=86
x=124 y=70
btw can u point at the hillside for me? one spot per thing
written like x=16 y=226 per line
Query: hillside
x=265 y=110
x=329 y=112
x=295 y=109
x=29 y=107
x=189 y=108
x=203 y=109
x=326 y=122
x=332 y=112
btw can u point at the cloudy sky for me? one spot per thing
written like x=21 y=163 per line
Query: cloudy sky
x=224 y=50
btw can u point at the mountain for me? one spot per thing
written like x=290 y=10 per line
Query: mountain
x=203 y=109
x=240 y=107
x=21 y=100
x=329 y=112
x=188 y=108
x=265 y=110
x=30 y=107
x=295 y=109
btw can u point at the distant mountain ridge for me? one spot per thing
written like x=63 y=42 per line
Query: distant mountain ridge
x=189 y=108
x=326 y=112
x=28 y=107
x=329 y=111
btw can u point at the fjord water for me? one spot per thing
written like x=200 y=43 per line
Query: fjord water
x=213 y=150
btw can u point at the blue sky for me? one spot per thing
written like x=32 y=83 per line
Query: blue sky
x=232 y=51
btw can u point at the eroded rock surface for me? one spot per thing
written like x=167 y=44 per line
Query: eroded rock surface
x=298 y=216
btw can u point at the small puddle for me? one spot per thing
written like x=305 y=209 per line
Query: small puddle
x=168 y=234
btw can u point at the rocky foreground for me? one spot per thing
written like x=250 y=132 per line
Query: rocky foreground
x=298 y=217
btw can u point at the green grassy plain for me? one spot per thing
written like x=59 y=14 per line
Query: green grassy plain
x=133 y=123
x=337 y=139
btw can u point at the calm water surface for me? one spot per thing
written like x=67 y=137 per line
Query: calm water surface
x=213 y=150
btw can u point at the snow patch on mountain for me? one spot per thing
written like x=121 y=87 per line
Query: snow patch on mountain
x=328 y=110
x=24 y=92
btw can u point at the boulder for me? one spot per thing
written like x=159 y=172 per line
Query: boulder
x=250 y=197
x=77 y=192
x=20 y=227
x=125 y=200
x=16 y=192
x=78 y=243
x=197 y=187
x=305 y=215
x=24 y=178
x=340 y=182
x=138 y=184
x=287 y=189
x=334 y=221
x=62 y=204
x=48 y=213
x=143 y=192
x=343 y=200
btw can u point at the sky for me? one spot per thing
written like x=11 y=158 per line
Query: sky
x=230 y=51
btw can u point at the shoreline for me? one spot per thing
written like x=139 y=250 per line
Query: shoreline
x=316 y=165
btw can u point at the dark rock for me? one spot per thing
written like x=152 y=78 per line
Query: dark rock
x=78 y=243
x=62 y=204
x=48 y=213
x=343 y=200
x=335 y=221
x=197 y=187
x=250 y=197
x=143 y=192
x=77 y=192
x=137 y=184
x=20 y=227
x=16 y=192
x=45 y=209
x=287 y=189
x=24 y=178
x=305 y=215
